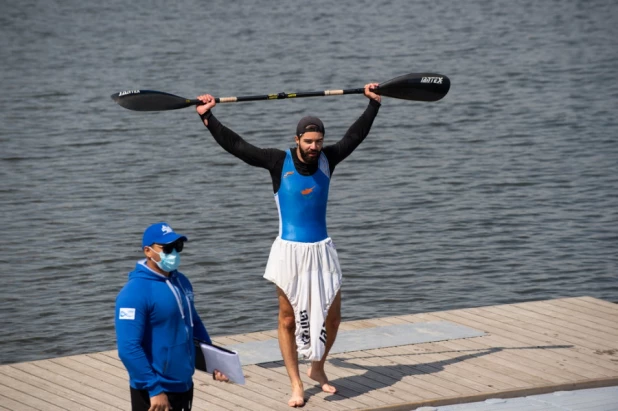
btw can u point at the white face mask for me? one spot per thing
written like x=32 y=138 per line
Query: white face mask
x=169 y=262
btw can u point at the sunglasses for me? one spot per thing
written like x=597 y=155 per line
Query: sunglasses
x=177 y=245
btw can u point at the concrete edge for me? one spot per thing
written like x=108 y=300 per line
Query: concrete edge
x=520 y=392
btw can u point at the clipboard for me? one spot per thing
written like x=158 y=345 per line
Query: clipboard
x=212 y=357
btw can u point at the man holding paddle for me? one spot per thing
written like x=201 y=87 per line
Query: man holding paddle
x=303 y=261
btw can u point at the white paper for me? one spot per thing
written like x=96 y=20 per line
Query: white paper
x=226 y=361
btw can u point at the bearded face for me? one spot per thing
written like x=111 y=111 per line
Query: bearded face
x=310 y=146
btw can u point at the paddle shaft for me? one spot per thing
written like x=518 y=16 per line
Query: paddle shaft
x=281 y=96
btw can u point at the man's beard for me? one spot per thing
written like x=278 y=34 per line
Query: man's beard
x=307 y=158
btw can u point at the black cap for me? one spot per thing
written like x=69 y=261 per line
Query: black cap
x=309 y=123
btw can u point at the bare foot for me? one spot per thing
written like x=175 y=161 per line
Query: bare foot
x=320 y=376
x=297 y=399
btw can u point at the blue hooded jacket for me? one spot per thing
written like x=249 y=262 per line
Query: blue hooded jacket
x=156 y=322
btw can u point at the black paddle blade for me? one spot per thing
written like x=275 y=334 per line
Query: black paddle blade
x=149 y=100
x=416 y=86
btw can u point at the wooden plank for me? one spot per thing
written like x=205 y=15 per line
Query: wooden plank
x=100 y=356
x=81 y=370
x=565 y=356
x=378 y=322
x=200 y=382
x=217 y=402
x=112 y=388
x=576 y=356
x=375 y=379
x=257 y=384
x=583 y=316
x=442 y=387
x=524 y=374
x=223 y=341
x=566 y=359
x=112 y=354
x=274 y=334
x=359 y=388
x=74 y=385
x=356 y=325
x=543 y=325
x=279 y=388
x=200 y=403
x=499 y=321
x=573 y=321
x=36 y=383
x=460 y=363
x=267 y=380
x=242 y=338
x=535 y=358
x=414 y=318
x=492 y=369
x=396 y=321
x=102 y=367
x=544 y=371
x=403 y=361
x=275 y=390
x=315 y=398
x=514 y=333
x=345 y=398
x=350 y=388
x=257 y=336
x=367 y=386
x=439 y=364
x=590 y=317
x=593 y=303
x=407 y=375
x=26 y=398
x=607 y=304
x=510 y=366
x=11 y=404
x=564 y=329
x=601 y=310
x=415 y=379
x=410 y=380
x=235 y=394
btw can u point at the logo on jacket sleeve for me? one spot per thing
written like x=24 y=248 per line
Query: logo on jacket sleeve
x=127 y=314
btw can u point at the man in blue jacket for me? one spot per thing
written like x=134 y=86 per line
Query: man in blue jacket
x=156 y=323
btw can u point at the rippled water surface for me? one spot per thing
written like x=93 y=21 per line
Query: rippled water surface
x=505 y=191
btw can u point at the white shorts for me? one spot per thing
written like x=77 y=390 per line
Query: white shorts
x=310 y=276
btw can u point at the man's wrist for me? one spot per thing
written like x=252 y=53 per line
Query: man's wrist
x=154 y=391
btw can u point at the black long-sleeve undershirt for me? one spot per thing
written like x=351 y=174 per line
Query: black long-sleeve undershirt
x=272 y=159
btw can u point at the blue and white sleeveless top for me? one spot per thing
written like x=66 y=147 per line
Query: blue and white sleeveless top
x=301 y=201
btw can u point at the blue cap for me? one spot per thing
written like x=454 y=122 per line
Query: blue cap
x=160 y=233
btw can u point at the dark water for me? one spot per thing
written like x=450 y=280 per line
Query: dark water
x=505 y=191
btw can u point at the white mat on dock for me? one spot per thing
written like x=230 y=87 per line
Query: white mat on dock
x=364 y=339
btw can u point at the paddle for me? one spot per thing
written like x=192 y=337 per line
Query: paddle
x=413 y=86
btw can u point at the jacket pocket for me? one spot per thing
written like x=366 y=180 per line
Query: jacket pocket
x=178 y=365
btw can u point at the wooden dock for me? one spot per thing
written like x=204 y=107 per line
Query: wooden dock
x=529 y=348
